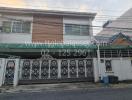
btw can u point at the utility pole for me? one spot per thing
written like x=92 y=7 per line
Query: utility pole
x=98 y=69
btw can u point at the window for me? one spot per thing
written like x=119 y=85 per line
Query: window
x=26 y=27
x=6 y=27
x=16 y=27
x=108 y=65
x=84 y=30
x=74 y=29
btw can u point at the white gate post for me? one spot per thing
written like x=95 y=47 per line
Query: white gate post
x=16 y=73
x=2 y=70
x=96 y=70
x=59 y=68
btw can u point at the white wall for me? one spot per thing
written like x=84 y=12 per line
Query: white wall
x=74 y=39
x=69 y=20
x=121 y=67
x=15 y=37
x=125 y=71
x=2 y=67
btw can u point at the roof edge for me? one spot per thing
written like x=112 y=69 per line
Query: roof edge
x=45 y=12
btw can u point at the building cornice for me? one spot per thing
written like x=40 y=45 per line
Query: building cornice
x=46 y=12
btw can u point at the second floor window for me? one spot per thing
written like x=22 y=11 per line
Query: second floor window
x=16 y=27
x=74 y=29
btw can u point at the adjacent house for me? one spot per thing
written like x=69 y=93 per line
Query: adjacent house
x=115 y=48
x=121 y=24
x=119 y=39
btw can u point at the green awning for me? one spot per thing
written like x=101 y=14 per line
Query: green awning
x=57 y=46
x=46 y=46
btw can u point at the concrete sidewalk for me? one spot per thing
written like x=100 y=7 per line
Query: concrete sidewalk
x=59 y=87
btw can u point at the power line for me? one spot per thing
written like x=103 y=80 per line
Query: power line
x=61 y=24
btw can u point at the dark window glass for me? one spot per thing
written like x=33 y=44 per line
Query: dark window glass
x=108 y=65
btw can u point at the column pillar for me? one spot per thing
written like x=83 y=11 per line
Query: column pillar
x=16 y=73
x=2 y=70
x=59 y=68
x=96 y=70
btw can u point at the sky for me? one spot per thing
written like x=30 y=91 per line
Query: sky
x=105 y=9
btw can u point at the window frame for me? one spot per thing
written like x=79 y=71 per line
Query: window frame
x=13 y=23
x=80 y=30
x=4 y=27
x=14 y=26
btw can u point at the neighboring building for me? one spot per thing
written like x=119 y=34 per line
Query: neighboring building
x=117 y=39
x=115 y=48
x=115 y=56
x=120 y=39
x=122 y=24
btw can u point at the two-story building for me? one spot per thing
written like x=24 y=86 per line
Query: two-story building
x=40 y=46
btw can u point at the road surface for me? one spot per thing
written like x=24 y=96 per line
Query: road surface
x=89 y=94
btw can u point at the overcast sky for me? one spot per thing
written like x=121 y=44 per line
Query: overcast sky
x=110 y=8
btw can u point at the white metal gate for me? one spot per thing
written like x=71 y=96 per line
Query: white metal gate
x=55 y=69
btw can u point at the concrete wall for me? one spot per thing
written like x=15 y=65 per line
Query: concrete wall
x=3 y=63
x=121 y=67
x=2 y=68
x=15 y=38
x=73 y=39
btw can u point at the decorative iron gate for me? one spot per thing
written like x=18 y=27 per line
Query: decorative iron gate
x=89 y=67
x=53 y=69
x=26 y=69
x=35 y=69
x=45 y=69
x=81 y=68
x=64 y=69
x=56 y=69
x=73 y=69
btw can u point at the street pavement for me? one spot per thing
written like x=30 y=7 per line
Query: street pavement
x=79 y=94
x=60 y=86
